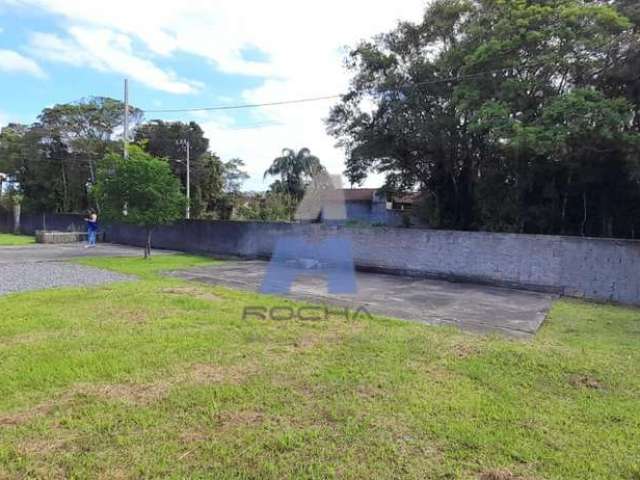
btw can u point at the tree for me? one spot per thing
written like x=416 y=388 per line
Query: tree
x=267 y=207
x=166 y=140
x=54 y=159
x=217 y=188
x=44 y=168
x=140 y=190
x=88 y=126
x=163 y=139
x=515 y=115
x=295 y=170
x=234 y=175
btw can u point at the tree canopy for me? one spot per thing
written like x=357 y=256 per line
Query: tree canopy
x=214 y=183
x=510 y=115
x=54 y=160
x=139 y=190
x=295 y=169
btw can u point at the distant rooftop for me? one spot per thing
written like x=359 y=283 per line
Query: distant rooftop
x=359 y=194
x=367 y=194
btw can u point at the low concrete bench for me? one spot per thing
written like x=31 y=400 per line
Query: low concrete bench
x=65 y=237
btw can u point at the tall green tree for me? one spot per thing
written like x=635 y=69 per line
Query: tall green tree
x=88 y=127
x=295 y=169
x=54 y=159
x=510 y=115
x=49 y=175
x=140 y=190
x=167 y=140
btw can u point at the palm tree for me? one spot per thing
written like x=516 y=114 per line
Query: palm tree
x=294 y=170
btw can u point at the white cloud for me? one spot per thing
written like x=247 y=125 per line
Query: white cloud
x=302 y=42
x=15 y=62
x=105 y=50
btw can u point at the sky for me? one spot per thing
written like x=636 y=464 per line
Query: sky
x=196 y=53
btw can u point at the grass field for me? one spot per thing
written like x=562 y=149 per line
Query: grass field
x=7 y=239
x=163 y=379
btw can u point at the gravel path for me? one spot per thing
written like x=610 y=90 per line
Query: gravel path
x=21 y=277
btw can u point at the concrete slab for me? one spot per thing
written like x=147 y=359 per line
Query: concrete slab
x=54 y=253
x=476 y=308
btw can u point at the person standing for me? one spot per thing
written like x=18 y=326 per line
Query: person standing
x=92 y=229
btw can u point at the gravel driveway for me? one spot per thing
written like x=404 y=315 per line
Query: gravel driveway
x=16 y=277
x=37 y=267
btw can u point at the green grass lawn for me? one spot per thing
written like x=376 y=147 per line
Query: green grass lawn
x=7 y=239
x=162 y=378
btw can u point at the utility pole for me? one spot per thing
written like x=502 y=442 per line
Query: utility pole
x=187 y=144
x=188 y=183
x=126 y=119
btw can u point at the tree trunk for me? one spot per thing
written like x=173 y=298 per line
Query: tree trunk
x=16 y=218
x=585 y=217
x=65 y=190
x=147 y=246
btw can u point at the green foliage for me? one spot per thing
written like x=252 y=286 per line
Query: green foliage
x=54 y=159
x=165 y=139
x=214 y=183
x=142 y=183
x=218 y=191
x=268 y=207
x=537 y=128
x=140 y=190
x=295 y=170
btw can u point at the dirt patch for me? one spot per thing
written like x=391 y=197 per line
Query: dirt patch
x=464 y=350
x=134 y=393
x=333 y=335
x=306 y=341
x=239 y=419
x=135 y=316
x=44 y=447
x=26 y=339
x=585 y=381
x=370 y=392
x=502 y=474
x=498 y=475
x=206 y=373
x=137 y=394
x=203 y=373
x=194 y=437
x=25 y=416
x=192 y=292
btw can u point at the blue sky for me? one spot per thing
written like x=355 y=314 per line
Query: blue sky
x=191 y=54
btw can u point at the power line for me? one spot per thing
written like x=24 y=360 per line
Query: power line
x=248 y=105
x=252 y=126
x=458 y=78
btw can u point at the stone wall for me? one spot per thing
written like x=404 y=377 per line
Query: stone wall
x=600 y=269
